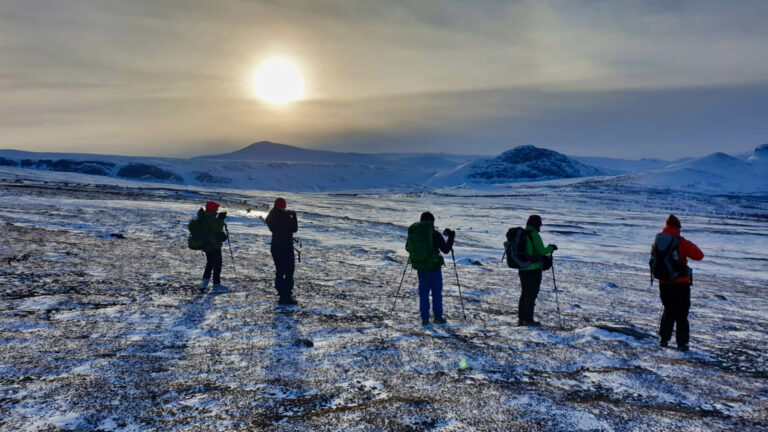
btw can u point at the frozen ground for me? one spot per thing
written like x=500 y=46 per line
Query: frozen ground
x=101 y=333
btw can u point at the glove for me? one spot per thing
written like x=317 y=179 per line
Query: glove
x=222 y=215
x=449 y=233
x=554 y=247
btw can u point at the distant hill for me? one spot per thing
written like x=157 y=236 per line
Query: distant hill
x=523 y=163
x=267 y=151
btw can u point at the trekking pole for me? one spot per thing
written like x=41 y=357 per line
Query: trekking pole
x=298 y=250
x=231 y=255
x=397 y=294
x=459 y=284
x=504 y=255
x=651 y=285
x=557 y=301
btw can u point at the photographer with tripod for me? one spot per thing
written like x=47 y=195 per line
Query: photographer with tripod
x=283 y=224
x=424 y=245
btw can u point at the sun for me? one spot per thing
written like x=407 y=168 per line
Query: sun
x=278 y=81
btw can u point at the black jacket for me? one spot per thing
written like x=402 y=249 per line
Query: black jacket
x=440 y=244
x=282 y=223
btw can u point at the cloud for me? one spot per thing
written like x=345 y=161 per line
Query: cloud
x=109 y=75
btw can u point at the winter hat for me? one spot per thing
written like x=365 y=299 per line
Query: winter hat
x=427 y=217
x=534 y=221
x=211 y=207
x=673 y=221
x=280 y=203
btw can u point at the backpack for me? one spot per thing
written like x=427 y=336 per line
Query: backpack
x=421 y=249
x=516 y=248
x=196 y=239
x=665 y=258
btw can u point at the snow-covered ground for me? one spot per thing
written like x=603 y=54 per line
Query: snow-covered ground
x=102 y=333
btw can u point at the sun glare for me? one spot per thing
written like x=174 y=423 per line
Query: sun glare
x=278 y=82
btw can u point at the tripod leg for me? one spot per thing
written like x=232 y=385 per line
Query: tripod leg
x=456 y=271
x=557 y=300
x=397 y=294
x=231 y=255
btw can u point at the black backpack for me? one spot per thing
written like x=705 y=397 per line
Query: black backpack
x=515 y=248
x=665 y=258
x=196 y=239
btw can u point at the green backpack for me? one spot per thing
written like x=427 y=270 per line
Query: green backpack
x=196 y=239
x=421 y=249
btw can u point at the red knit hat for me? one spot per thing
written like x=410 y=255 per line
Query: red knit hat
x=280 y=203
x=211 y=207
x=673 y=221
x=534 y=221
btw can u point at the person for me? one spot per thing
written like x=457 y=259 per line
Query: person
x=675 y=282
x=424 y=245
x=211 y=232
x=530 y=276
x=283 y=224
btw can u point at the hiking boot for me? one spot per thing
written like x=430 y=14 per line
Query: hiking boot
x=534 y=323
x=219 y=288
x=439 y=320
x=425 y=322
x=683 y=348
x=663 y=343
x=287 y=301
x=204 y=284
x=522 y=323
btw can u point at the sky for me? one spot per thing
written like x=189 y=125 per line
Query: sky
x=612 y=78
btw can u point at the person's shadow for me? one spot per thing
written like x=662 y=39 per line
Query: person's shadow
x=286 y=387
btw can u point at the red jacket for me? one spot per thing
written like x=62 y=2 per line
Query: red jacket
x=686 y=249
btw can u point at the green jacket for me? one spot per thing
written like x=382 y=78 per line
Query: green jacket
x=535 y=248
x=212 y=231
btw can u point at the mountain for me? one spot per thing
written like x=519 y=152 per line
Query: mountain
x=715 y=173
x=523 y=163
x=267 y=151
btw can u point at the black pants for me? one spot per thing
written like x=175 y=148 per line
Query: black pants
x=285 y=265
x=213 y=262
x=530 y=283
x=676 y=298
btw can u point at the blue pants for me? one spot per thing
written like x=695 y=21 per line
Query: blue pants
x=430 y=281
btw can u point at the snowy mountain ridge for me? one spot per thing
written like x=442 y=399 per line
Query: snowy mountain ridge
x=271 y=166
x=268 y=165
